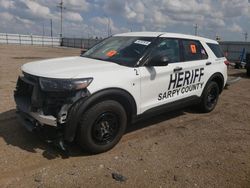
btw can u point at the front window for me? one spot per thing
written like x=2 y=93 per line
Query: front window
x=168 y=47
x=125 y=51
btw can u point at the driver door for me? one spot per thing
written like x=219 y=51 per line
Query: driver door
x=155 y=79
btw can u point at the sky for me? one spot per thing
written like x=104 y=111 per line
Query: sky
x=228 y=19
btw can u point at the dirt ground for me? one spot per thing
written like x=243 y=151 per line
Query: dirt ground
x=178 y=149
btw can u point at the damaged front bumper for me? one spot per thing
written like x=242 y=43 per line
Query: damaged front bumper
x=30 y=119
x=38 y=109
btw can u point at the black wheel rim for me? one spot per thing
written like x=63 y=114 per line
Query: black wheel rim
x=105 y=128
x=212 y=97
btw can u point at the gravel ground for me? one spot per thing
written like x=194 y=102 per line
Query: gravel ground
x=178 y=149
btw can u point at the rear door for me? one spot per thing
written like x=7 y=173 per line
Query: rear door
x=199 y=66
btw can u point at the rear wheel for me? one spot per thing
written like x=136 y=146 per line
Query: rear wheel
x=102 y=126
x=209 y=97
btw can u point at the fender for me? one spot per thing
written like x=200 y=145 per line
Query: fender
x=83 y=104
x=219 y=78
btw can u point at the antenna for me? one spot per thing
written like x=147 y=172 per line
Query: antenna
x=62 y=7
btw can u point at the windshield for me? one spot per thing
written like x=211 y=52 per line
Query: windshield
x=121 y=50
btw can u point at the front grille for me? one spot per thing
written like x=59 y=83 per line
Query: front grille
x=29 y=94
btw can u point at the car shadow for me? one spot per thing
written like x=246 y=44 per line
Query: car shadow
x=240 y=74
x=13 y=133
x=153 y=120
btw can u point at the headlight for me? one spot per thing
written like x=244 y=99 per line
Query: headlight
x=48 y=84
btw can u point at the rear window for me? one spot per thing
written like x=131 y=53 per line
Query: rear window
x=193 y=50
x=216 y=49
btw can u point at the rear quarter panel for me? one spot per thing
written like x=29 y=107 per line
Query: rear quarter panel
x=217 y=66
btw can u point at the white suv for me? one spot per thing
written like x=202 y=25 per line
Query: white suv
x=92 y=98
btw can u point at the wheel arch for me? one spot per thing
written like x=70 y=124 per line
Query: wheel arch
x=117 y=94
x=120 y=95
x=219 y=79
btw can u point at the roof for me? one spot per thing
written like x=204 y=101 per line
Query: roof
x=140 y=34
x=164 y=34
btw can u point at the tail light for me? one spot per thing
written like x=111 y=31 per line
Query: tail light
x=226 y=62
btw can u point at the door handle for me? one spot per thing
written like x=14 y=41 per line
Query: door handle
x=177 y=69
x=208 y=63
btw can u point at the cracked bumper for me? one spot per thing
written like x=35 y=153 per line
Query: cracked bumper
x=32 y=119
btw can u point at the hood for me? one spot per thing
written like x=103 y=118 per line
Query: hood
x=69 y=67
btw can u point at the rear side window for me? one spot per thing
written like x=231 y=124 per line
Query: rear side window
x=216 y=49
x=193 y=50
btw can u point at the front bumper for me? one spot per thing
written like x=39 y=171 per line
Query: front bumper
x=25 y=113
x=26 y=95
x=50 y=134
x=37 y=108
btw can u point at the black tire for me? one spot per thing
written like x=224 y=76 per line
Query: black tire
x=209 y=97
x=102 y=126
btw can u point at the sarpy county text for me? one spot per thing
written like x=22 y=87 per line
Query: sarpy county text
x=183 y=82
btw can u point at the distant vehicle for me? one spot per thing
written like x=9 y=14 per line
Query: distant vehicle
x=92 y=98
x=248 y=64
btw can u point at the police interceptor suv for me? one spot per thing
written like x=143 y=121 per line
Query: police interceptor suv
x=92 y=98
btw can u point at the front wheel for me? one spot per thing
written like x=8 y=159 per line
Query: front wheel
x=209 y=97
x=102 y=126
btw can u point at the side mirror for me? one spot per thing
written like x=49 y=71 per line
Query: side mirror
x=158 y=60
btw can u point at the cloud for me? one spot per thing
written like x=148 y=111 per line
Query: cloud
x=235 y=28
x=78 y=5
x=135 y=12
x=235 y=8
x=6 y=17
x=9 y=18
x=7 y=4
x=114 y=7
x=90 y=17
x=182 y=6
x=104 y=22
x=100 y=20
x=72 y=16
x=21 y=25
x=36 y=9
